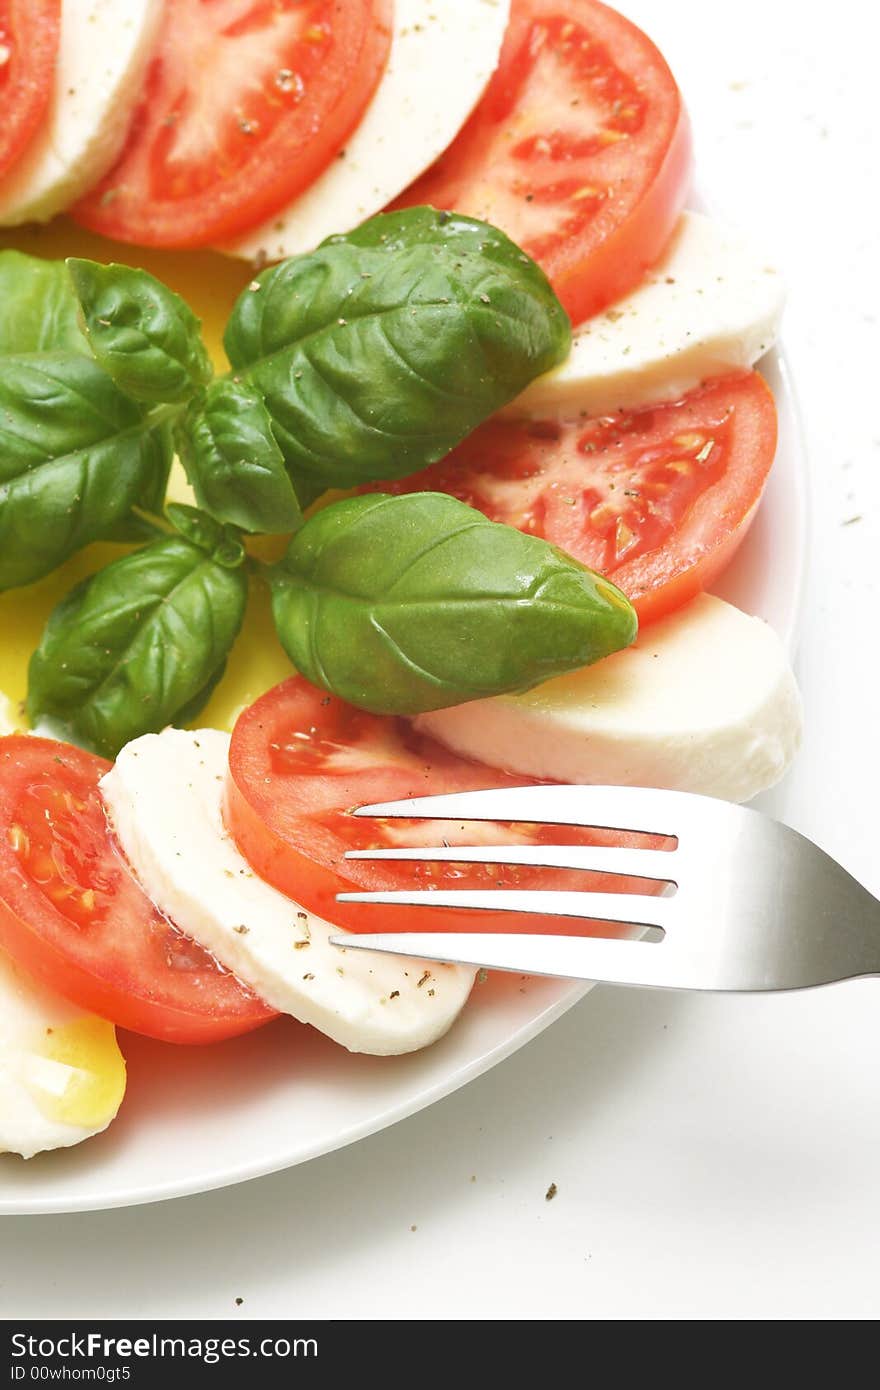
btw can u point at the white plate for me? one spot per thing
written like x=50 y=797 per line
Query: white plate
x=196 y=1119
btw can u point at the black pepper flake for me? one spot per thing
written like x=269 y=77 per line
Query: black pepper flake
x=551 y=1192
x=395 y=994
x=426 y=976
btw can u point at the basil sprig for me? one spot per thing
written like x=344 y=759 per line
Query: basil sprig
x=413 y=603
x=367 y=359
x=142 y=642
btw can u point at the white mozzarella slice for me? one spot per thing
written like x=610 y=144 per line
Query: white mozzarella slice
x=710 y=307
x=442 y=56
x=164 y=798
x=103 y=51
x=704 y=702
x=62 y=1076
x=7 y=719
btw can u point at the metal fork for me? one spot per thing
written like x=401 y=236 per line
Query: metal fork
x=750 y=904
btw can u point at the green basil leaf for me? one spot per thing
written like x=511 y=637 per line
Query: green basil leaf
x=39 y=311
x=75 y=456
x=233 y=463
x=412 y=603
x=193 y=708
x=144 y=525
x=222 y=543
x=143 y=334
x=137 y=645
x=135 y=529
x=378 y=352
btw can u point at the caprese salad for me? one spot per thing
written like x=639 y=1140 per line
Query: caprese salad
x=440 y=512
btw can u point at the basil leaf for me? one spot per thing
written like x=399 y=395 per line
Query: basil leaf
x=143 y=334
x=412 y=603
x=193 y=708
x=378 y=352
x=39 y=311
x=137 y=645
x=233 y=463
x=222 y=543
x=75 y=456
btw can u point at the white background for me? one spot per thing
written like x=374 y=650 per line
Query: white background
x=715 y=1158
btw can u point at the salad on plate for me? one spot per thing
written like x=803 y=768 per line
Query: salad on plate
x=440 y=510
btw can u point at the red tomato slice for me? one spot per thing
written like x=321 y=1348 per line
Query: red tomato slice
x=245 y=104
x=580 y=150
x=29 y=31
x=301 y=760
x=72 y=914
x=658 y=499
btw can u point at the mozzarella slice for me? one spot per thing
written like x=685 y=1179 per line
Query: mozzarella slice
x=103 y=52
x=7 y=718
x=710 y=307
x=164 y=798
x=704 y=702
x=442 y=56
x=62 y=1076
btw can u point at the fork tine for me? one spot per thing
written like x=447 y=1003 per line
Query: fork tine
x=636 y=863
x=629 y=908
x=656 y=965
x=640 y=809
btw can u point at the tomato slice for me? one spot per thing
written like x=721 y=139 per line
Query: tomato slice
x=580 y=150
x=301 y=760
x=29 y=33
x=245 y=104
x=72 y=914
x=657 y=499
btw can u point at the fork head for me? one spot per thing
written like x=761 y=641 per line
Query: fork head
x=745 y=903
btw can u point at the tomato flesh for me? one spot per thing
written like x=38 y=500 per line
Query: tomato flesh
x=301 y=760
x=29 y=33
x=73 y=915
x=580 y=150
x=245 y=104
x=657 y=499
